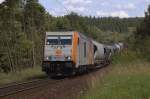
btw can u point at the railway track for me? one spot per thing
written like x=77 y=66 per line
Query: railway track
x=16 y=88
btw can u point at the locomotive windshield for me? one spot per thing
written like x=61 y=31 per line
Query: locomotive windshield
x=52 y=40
x=59 y=40
x=66 y=40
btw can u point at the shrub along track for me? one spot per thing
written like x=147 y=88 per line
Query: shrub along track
x=68 y=88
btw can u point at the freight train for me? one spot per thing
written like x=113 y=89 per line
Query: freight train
x=69 y=53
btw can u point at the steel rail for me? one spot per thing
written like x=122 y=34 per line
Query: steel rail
x=23 y=87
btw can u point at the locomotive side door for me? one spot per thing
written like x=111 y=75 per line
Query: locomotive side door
x=81 y=51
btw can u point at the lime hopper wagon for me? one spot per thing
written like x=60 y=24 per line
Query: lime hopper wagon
x=67 y=53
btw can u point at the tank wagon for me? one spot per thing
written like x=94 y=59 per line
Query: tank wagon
x=102 y=54
x=121 y=45
x=67 y=53
x=118 y=48
x=114 y=48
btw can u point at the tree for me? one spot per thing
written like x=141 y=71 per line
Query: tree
x=21 y=34
x=34 y=26
x=11 y=36
x=142 y=35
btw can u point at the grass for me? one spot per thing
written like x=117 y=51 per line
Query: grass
x=27 y=74
x=127 y=57
x=125 y=80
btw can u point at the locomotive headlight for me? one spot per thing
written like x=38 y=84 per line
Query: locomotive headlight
x=68 y=58
x=47 y=58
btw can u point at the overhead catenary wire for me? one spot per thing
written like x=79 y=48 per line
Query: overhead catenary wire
x=68 y=12
x=67 y=9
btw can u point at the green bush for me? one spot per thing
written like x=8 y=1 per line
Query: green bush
x=126 y=57
x=27 y=74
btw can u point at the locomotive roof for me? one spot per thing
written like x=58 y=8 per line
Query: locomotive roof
x=60 y=33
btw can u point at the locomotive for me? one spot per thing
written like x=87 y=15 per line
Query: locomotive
x=68 y=53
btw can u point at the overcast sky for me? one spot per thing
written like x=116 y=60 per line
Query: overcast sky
x=120 y=8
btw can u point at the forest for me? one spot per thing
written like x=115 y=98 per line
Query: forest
x=23 y=27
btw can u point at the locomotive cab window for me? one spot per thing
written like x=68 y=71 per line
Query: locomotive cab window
x=85 y=49
x=66 y=40
x=52 y=40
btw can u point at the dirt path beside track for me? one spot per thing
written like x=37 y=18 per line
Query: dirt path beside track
x=69 y=88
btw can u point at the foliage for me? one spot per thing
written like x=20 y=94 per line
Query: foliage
x=142 y=36
x=106 y=29
x=34 y=26
x=24 y=75
x=18 y=37
x=126 y=57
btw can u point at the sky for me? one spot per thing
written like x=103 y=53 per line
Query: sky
x=98 y=8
